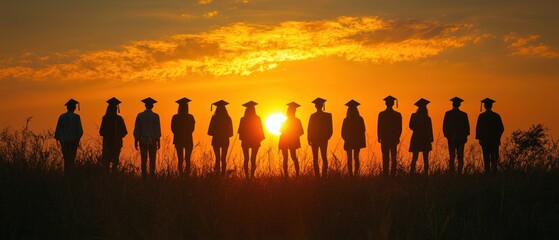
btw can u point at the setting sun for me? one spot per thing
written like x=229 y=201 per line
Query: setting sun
x=274 y=122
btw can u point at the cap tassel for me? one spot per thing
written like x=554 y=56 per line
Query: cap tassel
x=79 y=107
x=118 y=108
x=396 y=103
x=480 y=107
x=211 y=108
x=324 y=107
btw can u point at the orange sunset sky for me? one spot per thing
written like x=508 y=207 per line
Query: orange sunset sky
x=275 y=52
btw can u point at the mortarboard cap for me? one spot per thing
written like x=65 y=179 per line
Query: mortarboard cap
x=391 y=99
x=319 y=101
x=422 y=102
x=72 y=102
x=149 y=100
x=114 y=101
x=486 y=101
x=220 y=103
x=456 y=99
x=183 y=101
x=293 y=105
x=250 y=104
x=352 y=103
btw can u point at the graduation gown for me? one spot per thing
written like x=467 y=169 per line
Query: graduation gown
x=489 y=129
x=221 y=129
x=422 y=135
x=250 y=131
x=291 y=130
x=389 y=127
x=113 y=129
x=182 y=126
x=353 y=133
x=456 y=126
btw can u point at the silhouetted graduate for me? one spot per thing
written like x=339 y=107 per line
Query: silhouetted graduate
x=422 y=136
x=68 y=133
x=147 y=134
x=489 y=129
x=112 y=130
x=389 y=130
x=456 y=129
x=319 y=132
x=353 y=133
x=251 y=134
x=182 y=126
x=221 y=129
x=291 y=131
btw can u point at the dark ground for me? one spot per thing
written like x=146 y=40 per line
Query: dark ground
x=46 y=205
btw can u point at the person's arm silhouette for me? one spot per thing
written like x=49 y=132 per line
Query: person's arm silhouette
x=399 y=126
x=137 y=131
x=158 y=131
x=379 y=127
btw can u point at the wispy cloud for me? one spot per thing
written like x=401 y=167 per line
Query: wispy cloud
x=242 y=49
x=204 y=2
x=211 y=14
x=529 y=46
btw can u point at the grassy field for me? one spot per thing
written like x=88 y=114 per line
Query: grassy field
x=38 y=202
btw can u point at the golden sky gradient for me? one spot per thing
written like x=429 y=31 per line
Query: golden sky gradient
x=275 y=52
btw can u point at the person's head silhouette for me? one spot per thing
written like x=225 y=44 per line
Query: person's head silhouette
x=389 y=101
x=71 y=105
x=220 y=108
x=422 y=106
x=352 y=108
x=113 y=106
x=487 y=103
x=250 y=108
x=291 y=108
x=148 y=102
x=319 y=104
x=183 y=105
x=456 y=102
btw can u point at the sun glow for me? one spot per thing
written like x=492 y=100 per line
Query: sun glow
x=274 y=122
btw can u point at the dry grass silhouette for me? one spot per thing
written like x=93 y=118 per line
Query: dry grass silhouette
x=37 y=201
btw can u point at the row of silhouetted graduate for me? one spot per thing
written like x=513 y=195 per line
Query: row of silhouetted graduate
x=147 y=134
